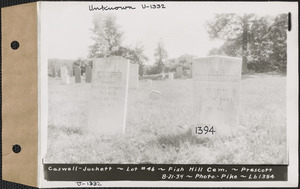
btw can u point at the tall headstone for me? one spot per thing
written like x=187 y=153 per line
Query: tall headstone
x=53 y=72
x=108 y=102
x=77 y=74
x=59 y=72
x=88 y=74
x=216 y=88
x=191 y=71
x=179 y=71
x=64 y=75
x=70 y=70
x=133 y=76
x=171 y=76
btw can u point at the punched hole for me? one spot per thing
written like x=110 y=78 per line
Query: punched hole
x=15 y=45
x=16 y=148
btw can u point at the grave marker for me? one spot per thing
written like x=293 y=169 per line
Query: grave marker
x=171 y=76
x=216 y=85
x=70 y=70
x=58 y=72
x=64 y=75
x=53 y=72
x=108 y=102
x=191 y=71
x=88 y=74
x=77 y=74
x=179 y=71
x=134 y=76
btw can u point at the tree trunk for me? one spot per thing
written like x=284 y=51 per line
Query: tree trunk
x=245 y=44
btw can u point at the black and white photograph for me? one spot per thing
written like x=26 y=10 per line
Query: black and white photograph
x=164 y=83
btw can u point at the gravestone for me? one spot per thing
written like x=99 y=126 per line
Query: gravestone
x=88 y=74
x=58 y=72
x=53 y=72
x=70 y=70
x=191 y=71
x=216 y=94
x=179 y=71
x=171 y=76
x=77 y=74
x=163 y=75
x=64 y=75
x=133 y=76
x=108 y=101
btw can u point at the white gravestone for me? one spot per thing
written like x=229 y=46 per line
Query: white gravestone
x=134 y=76
x=64 y=75
x=108 y=102
x=171 y=76
x=216 y=85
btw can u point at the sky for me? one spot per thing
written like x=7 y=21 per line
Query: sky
x=181 y=27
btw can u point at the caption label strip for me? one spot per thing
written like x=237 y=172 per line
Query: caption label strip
x=167 y=172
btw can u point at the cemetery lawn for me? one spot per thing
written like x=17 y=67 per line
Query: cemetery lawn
x=158 y=126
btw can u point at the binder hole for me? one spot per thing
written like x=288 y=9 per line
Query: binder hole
x=15 y=45
x=16 y=148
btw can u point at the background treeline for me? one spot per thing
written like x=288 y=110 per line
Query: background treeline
x=259 y=40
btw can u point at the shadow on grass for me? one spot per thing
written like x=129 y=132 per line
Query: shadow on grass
x=264 y=74
x=180 y=138
x=66 y=130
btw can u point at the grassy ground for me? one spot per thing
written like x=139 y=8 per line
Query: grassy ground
x=156 y=127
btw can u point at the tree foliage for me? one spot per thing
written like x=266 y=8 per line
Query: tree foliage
x=161 y=56
x=135 y=55
x=259 y=40
x=184 y=60
x=108 y=38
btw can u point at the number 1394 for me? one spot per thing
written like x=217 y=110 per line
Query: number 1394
x=205 y=130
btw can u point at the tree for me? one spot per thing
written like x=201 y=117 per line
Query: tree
x=234 y=30
x=161 y=57
x=278 y=35
x=215 y=51
x=268 y=44
x=135 y=55
x=260 y=41
x=260 y=46
x=107 y=36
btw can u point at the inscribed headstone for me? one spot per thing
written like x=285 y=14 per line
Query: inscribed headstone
x=179 y=71
x=216 y=85
x=133 y=76
x=77 y=74
x=108 y=101
x=88 y=74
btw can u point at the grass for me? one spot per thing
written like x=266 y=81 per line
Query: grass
x=158 y=126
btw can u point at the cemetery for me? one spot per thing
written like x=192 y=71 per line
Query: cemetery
x=168 y=88
x=214 y=115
